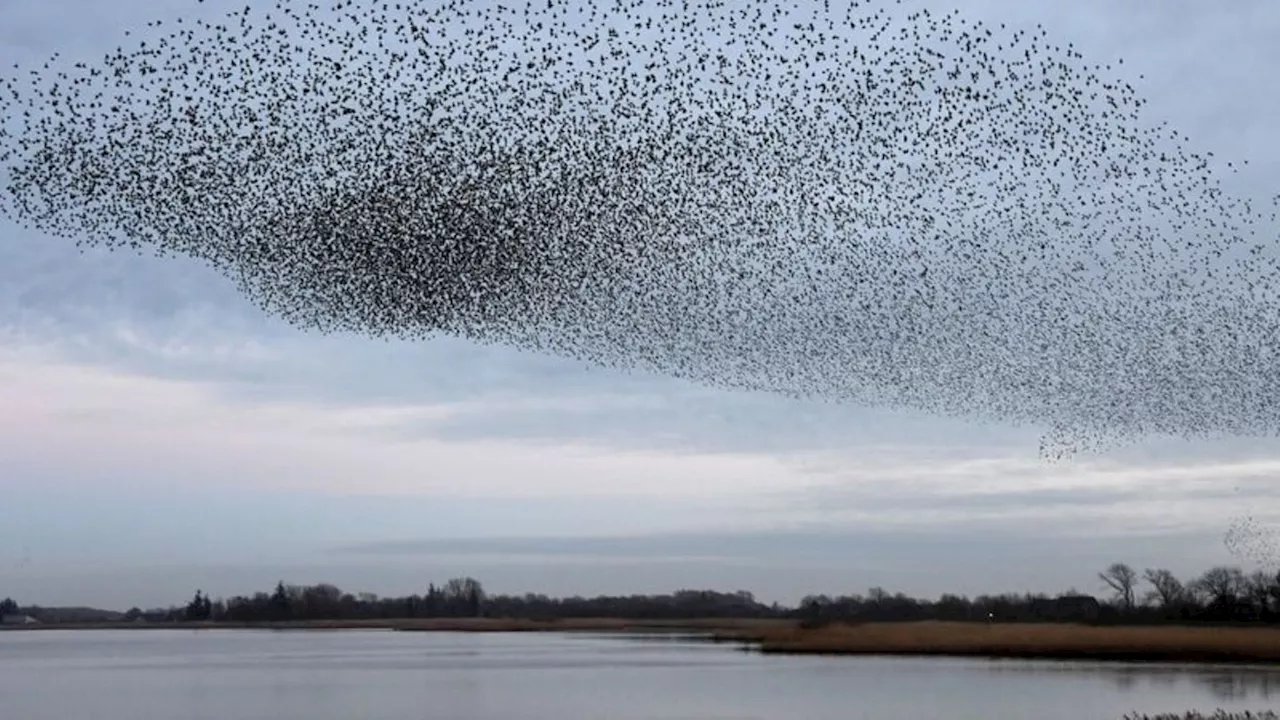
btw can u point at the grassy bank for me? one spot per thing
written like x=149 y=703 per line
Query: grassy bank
x=1048 y=641
x=1045 y=641
x=1219 y=715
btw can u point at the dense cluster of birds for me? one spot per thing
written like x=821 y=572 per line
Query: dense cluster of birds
x=855 y=201
x=1254 y=541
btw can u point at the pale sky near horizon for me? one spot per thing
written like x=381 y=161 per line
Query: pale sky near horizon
x=159 y=434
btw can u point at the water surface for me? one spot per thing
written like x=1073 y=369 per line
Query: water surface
x=384 y=675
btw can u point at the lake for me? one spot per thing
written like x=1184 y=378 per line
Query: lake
x=385 y=675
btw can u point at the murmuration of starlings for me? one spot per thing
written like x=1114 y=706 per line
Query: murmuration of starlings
x=856 y=202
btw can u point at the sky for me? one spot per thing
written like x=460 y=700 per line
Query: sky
x=159 y=434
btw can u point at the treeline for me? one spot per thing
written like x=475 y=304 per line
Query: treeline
x=1221 y=594
x=1152 y=596
x=457 y=598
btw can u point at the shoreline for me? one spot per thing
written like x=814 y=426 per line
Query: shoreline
x=1057 y=642
x=467 y=625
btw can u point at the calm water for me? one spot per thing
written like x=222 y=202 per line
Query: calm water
x=374 y=675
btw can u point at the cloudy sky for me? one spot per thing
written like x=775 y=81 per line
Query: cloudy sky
x=158 y=433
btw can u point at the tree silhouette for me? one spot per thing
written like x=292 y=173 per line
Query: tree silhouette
x=431 y=604
x=200 y=608
x=1221 y=594
x=1167 y=591
x=1122 y=579
x=281 y=606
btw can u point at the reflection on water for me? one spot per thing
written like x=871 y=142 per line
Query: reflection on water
x=1252 y=686
x=372 y=675
x=1230 y=684
x=1227 y=684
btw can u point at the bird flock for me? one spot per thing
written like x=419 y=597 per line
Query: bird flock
x=860 y=202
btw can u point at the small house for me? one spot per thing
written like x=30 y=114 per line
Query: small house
x=1066 y=608
x=18 y=620
x=1078 y=608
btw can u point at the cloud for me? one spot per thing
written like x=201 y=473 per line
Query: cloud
x=118 y=418
x=141 y=434
x=1110 y=497
x=978 y=558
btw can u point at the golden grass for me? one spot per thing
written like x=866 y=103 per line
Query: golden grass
x=1058 y=641
x=1219 y=715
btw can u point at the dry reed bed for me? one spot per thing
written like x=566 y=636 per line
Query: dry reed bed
x=1219 y=715
x=1175 y=644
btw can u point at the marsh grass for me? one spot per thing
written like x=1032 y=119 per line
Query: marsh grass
x=1053 y=641
x=1219 y=715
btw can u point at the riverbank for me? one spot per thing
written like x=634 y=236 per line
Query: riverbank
x=1179 y=644
x=1218 y=715
x=730 y=628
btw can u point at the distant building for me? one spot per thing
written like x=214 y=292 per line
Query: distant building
x=18 y=620
x=1067 y=608
x=1079 y=608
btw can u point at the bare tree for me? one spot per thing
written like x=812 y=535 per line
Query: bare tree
x=1167 y=590
x=466 y=594
x=1222 y=585
x=1258 y=588
x=1122 y=579
x=322 y=600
